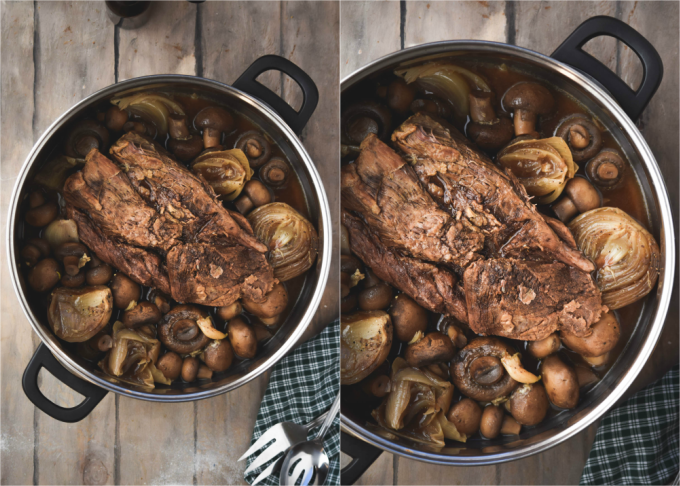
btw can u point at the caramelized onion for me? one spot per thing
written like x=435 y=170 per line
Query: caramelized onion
x=291 y=239
x=366 y=339
x=152 y=106
x=626 y=255
x=75 y=315
x=227 y=171
x=447 y=81
x=130 y=358
x=543 y=167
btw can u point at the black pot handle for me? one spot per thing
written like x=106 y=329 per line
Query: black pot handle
x=44 y=359
x=632 y=102
x=363 y=456
x=310 y=94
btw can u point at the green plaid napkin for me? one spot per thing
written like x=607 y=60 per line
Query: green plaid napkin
x=637 y=442
x=303 y=386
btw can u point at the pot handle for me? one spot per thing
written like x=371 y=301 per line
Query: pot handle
x=310 y=94
x=44 y=359
x=363 y=456
x=632 y=102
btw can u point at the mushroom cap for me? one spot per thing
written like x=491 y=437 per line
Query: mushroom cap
x=462 y=370
x=583 y=194
x=213 y=117
x=491 y=136
x=528 y=404
x=606 y=168
x=529 y=96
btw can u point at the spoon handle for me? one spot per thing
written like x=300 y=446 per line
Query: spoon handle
x=316 y=422
x=329 y=418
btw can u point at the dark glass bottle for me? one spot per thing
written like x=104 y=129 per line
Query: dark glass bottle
x=127 y=9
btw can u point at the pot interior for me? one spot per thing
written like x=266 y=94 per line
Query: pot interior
x=641 y=322
x=310 y=200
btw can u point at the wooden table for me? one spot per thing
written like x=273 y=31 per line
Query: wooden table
x=53 y=55
x=370 y=30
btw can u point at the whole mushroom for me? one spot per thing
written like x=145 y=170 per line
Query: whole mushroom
x=85 y=136
x=213 y=121
x=528 y=404
x=466 y=415
x=218 y=355
x=408 y=317
x=433 y=348
x=256 y=147
x=478 y=372
x=183 y=144
x=560 y=381
x=179 y=330
x=527 y=100
x=605 y=335
x=491 y=422
x=581 y=134
x=606 y=168
x=487 y=130
x=579 y=196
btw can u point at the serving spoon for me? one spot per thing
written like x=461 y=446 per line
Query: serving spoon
x=309 y=457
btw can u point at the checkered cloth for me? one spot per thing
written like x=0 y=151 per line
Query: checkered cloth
x=637 y=442
x=303 y=386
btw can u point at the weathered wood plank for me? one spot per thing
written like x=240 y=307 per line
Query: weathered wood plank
x=542 y=26
x=434 y=22
x=156 y=440
x=234 y=37
x=369 y=30
x=77 y=35
x=224 y=428
x=16 y=335
x=310 y=39
x=165 y=44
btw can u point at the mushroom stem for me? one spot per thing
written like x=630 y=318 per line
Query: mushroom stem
x=579 y=137
x=211 y=137
x=481 y=110
x=525 y=121
x=607 y=171
x=104 y=343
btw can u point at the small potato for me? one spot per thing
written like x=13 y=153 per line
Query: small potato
x=560 y=381
x=242 y=338
x=528 y=404
x=376 y=297
x=466 y=415
x=274 y=304
x=492 y=421
x=124 y=291
x=606 y=333
x=544 y=347
x=433 y=348
x=407 y=317
x=45 y=275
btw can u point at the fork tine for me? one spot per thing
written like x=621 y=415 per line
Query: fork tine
x=264 y=438
x=271 y=469
x=267 y=455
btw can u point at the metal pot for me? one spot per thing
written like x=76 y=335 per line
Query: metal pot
x=616 y=105
x=282 y=124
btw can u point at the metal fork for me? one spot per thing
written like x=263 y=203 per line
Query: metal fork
x=285 y=435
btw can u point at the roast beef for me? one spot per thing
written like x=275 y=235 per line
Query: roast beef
x=464 y=180
x=433 y=288
x=529 y=300
x=446 y=226
x=158 y=223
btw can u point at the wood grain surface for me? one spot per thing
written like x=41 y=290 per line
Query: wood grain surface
x=53 y=55
x=370 y=30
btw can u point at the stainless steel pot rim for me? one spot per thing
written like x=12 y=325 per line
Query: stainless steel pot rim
x=323 y=268
x=667 y=245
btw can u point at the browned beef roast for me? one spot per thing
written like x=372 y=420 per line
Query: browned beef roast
x=164 y=227
x=432 y=287
x=463 y=215
x=529 y=300
x=463 y=179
